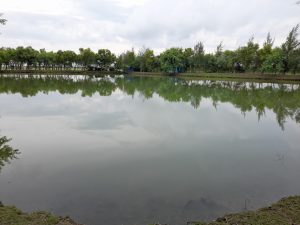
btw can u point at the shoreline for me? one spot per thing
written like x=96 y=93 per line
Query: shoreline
x=232 y=76
x=285 y=212
x=201 y=75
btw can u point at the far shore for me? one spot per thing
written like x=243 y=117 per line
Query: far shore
x=197 y=75
x=246 y=76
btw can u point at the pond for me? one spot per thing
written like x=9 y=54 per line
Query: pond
x=122 y=150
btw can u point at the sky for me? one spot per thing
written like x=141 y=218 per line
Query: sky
x=120 y=25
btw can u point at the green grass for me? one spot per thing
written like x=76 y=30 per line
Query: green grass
x=12 y=216
x=285 y=212
x=245 y=76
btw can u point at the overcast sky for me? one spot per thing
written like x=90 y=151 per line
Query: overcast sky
x=158 y=24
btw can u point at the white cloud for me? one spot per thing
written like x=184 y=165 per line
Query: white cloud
x=122 y=24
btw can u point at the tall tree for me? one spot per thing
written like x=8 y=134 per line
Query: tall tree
x=266 y=50
x=269 y=41
x=290 y=45
x=220 y=48
x=199 y=48
x=248 y=55
x=198 y=58
x=146 y=60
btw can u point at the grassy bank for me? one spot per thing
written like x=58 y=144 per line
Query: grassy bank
x=219 y=76
x=13 y=216
x=244 y=76
x=284 y=212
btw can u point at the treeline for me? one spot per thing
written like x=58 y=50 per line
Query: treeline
x=249 y=58
x=282 y=99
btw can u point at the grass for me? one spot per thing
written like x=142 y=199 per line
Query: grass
x=12 y=216
x=284 y=212
x=244 y=76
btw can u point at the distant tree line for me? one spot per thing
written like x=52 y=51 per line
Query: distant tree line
x=249 y=58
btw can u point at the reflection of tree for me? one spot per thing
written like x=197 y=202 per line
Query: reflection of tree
x=7 y=153
x=282 y=99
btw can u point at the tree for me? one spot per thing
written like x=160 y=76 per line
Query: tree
x=266 y=50
x=127 y=61
x=210 y=63
x=69 y=58
x=223 y=60
x=198 y=58
x=24 y=55
x=146 y=60
x=87 y=57
x=199 y=48
x=172 y=60
x=290 y=45
x=105 y=58
x=274 y=62
x=294 y=61
x=248 y=55
x=188 y=54
x=219 y=49
x=7 y=57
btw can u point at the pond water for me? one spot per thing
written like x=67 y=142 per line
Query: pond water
x=121 y=150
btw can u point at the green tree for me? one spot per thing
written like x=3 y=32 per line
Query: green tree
x=198 y=57
x=128 y=61
x=210 y=63
x=87 y=57
x=224 y=60
x=274 y=62
x=7 y=57
x=248 y=55
x=26 y=56
x=188 y=54
x=69 y=58
x=220 y=48
x=172 y=60
x=294 y=61
x=105 y=58
x=146 y=60
x=266 y=50
x=290 y=45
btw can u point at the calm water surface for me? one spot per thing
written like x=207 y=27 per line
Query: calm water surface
x=133 y=151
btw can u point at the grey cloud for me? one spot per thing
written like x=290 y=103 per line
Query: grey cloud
x=156 y=24
x=101 y=10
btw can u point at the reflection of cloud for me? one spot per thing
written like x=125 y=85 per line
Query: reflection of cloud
x=104 y=121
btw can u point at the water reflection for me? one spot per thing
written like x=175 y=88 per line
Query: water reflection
x=138 y=150
x=282 y=99
x=7 y=153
